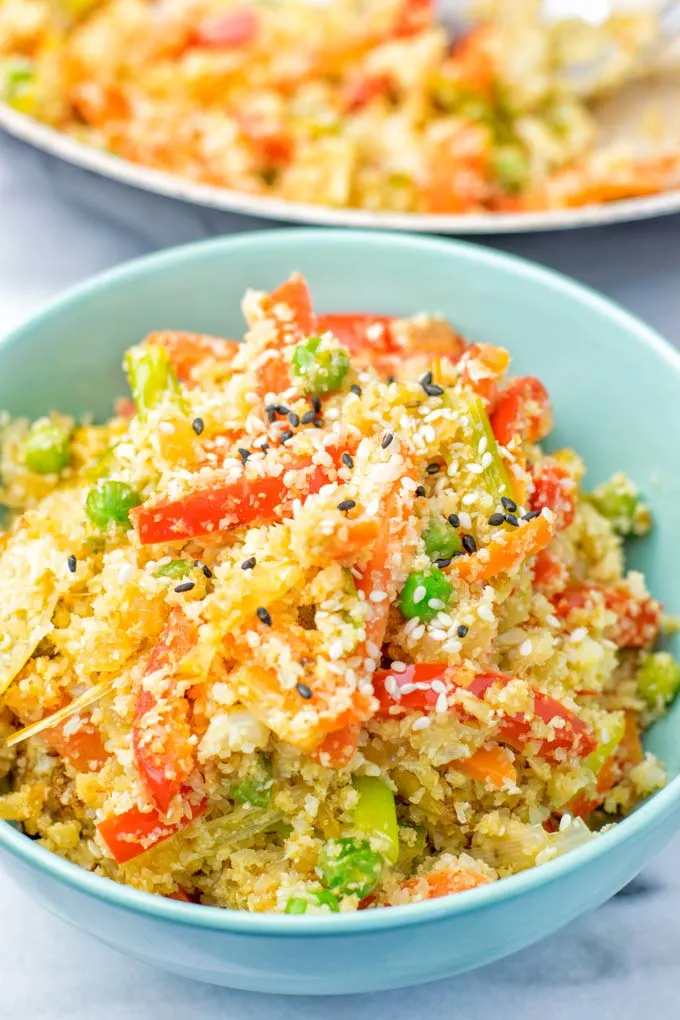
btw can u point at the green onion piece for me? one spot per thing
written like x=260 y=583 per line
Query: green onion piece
x=441 y=540
x=256 y=788
x=296 y=905
x=414 y=602
x=110 y=502
x=658 y=680
x=376 y=815
x=611 y=739
x=349 y=867
x=320 y=364
x=619 y=501
x=47 y=447
x=151 y=377
x=495 y=477
x=175 y=569
x=320 y=897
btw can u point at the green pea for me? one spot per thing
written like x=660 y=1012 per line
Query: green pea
x=321 y=898
x=658 y=680
x=47 y=448
x=110 y=502
x=320 y=364
x=256 y=788
x=511 y=167
x=175 y=569
x=151 y=377
x=442 y=542
x=349 y=867
x=414 y=602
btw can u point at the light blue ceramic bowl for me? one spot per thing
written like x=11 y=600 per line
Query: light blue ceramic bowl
x=616 y=390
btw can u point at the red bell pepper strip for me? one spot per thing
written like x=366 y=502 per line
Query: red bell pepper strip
x=136 y=831
x=289 y=308
x=161 y=730
x=522 y=409
x=638 y=619
x=555 y=488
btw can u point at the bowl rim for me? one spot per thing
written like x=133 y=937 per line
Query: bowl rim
x=651 y=814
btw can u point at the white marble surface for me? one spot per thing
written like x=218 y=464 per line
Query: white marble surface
x=57 y=226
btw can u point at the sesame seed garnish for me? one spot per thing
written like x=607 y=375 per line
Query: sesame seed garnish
x=72 y=563
x=356 y=389
x=307 y=418
x=294 y=419
x=420 y=491
x=282 y=409
x=316 y=404
x=207 y=572
x=264 y=616
x=198 y=425
x=387 y=439
x=347 y=504
x=184 y=586
x=462 y=630
x=454 y=520
x=496 y=519
x=249 y=563
x=243 y=454
x=286 y=435
x=390 y=379
x=531 y=515
x=347 y=460
x=264 y=447
x=443 y=562
x=433 y=469
x=304 y=691
x=512 y=519
x=526 y=647
x=509 y=504
x=419 y=594
x=422 y=723
x=485 y=612
x=469 y=544
x=271 y=413
x=432 y=389
x=427 y=379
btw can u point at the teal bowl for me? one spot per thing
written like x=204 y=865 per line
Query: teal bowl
x=616 y=390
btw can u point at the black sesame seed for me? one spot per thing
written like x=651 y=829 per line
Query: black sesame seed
x=282 y=409
x=433 y=390
x=442 y=563
x=308 y=417
x=469 y=544
x=347 y=460
x=294 y=419
x=263 y=448
x=454 y=520
x=316 y=404
x=427 y=379
x=387 y=439
x=390 y=379
x=462 y=630
x=347 y=504
x=433 y=469
x=304 y=691
x=198 y=425
x=496 y=519
x=249 y=563
x=508 y=504
x=285 y=436
x=271 y=414
x=72 y=563
x=207 y=572
x=420 y=491
x=531 y=515
x=184 y=586
x=512 y=519
x=243 y=454
x=356 y=389
x=264 y=616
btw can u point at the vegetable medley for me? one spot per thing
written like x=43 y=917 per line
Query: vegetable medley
x=371 y=104
x=313 y=624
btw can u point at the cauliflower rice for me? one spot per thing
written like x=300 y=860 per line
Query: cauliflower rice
x=315 y=624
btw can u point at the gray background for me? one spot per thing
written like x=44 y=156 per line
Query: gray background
x=59 y=225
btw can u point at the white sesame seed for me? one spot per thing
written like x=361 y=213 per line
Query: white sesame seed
x=552 y=620
x=438 y=687
x=548 y=514
x=372 y=649
x=410 y=625
x=465 y=519
x=370 y=665
x=438 y=635
x=375 y=331
x=126 y=573
x=452 y=646
x=429 y=434
x=578 y=635
x=481 y=445
x=468 y=499
x=422 y=723
x=167 y=427
x=419 y=594
x=392 y=687
x=436 y=604
x=442 y=704
x=409 y=484
x=253 y=638
x=475 y=469
x=526 y=647
x=398 y=667
x=335 y=649
x=565 y=822
x=418 y=633
x=485 y=612
x=372 y=507
x=378 y=596
x=332 y=413
x=487 y=460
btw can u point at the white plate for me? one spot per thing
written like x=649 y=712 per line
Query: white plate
x=622 y=120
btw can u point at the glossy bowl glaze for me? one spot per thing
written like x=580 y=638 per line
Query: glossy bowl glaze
x=615 y=386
